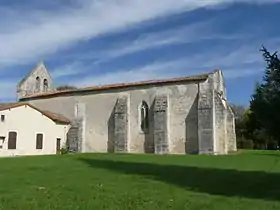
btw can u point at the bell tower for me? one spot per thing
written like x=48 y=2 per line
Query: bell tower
x=37 y=81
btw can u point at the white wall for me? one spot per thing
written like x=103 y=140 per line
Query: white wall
x=27 y=122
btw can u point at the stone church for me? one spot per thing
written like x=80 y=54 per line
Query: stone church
x=173 y=116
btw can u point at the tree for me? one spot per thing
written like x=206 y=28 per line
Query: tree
x=238 y=111
x=66 y=87
x=243 y=136
x=265 y=101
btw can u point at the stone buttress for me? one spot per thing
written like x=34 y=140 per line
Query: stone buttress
x=160 y=132
x=120 y=120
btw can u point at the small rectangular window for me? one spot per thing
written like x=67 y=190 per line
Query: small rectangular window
x=2 y=118
x=39 y=141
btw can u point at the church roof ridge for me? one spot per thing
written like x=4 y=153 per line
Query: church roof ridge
x=54 y=93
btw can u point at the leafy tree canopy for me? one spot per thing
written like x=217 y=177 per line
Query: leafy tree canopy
x=265 y=101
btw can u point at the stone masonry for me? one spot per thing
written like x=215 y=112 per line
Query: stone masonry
x=161 y=125
x=74 y=136
x=205 y=118
x=120 y=125
x=40 y=75
x=183 y=115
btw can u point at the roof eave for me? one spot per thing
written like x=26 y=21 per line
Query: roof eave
x=198 y=78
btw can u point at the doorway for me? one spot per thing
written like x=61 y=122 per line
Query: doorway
x=58 y=140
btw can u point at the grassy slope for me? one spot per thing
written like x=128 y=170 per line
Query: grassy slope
x=250 y=180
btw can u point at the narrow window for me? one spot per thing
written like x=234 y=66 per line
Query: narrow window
x=37 y=84
x=2 y=118
x=12 y=140
x=144 y=117
x=45 y=85
x=39 y=141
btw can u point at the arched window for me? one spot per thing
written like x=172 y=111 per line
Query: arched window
x=144 y=117
x=45 y=85
x=38 y=84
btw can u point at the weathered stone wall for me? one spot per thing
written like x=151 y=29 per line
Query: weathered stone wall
x=231 y=135
x=192 y=143
x=183 y=124
x=75 y=135
x=110 y=119
x=206 y=129
x=160 y=115
x=28 y=86
x=182 y=109
x=181 y=117
x=120 y=126
x=220 y=118
x=219 y=83
x=224 y=134
x=186 y=117
x=214 y=124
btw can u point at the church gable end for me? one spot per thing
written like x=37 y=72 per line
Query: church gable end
x=37 y=81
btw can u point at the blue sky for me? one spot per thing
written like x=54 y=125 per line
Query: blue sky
x=93 y=42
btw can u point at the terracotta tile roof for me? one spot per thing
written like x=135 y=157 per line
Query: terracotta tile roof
x=53 y=116
x=118 y=86
x=56 y=117
x=4 y=106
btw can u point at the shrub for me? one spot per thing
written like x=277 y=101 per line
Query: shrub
x=272 y=145
x=243 y=143
x=63 y=151
x=248 y=144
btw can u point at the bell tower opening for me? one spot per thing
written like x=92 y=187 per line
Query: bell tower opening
x=37 y=85
x=45 y=85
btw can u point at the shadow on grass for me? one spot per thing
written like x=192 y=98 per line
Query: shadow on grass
x=270 y=154
x=225 y=182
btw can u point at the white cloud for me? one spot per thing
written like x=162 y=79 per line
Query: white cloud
x=187 y=34
x=150 y=71
x=70 y=69
x=236 y=73
x=170 y=69
x=238 y=61
x=195 y=64
x=244 y=54
x=39 y=33
x=32 y=34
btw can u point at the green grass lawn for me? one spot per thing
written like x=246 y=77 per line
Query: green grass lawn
x=248 y=180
